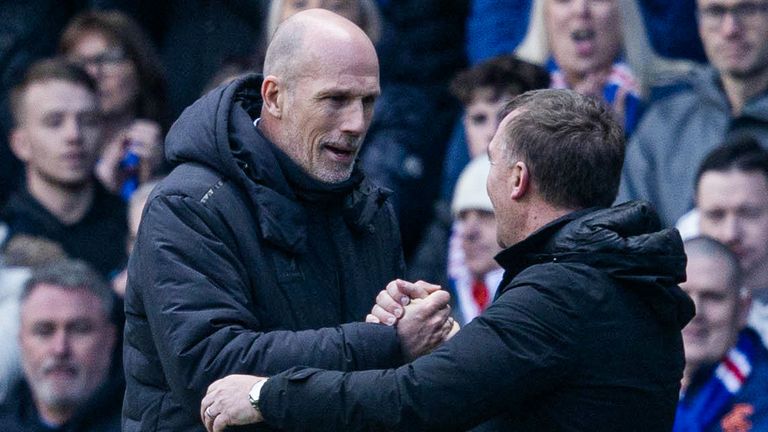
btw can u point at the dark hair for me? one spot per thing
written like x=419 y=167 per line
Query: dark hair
x=714 y=249
x=572 y=144
x=502 y=75
x=47 y=70
x=124 y=32
x=71 y=274
x=739 y=153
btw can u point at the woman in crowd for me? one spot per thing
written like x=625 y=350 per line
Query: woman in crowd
x=118 y=54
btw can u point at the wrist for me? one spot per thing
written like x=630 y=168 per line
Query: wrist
x=254 y=396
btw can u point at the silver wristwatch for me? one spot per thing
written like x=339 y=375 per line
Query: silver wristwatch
x=253 y=395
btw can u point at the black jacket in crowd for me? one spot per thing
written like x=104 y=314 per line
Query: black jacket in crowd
x=584 y=335
x=100 y=413
x=98 y=238
x=243 y=264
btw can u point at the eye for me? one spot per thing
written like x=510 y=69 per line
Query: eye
x=53 y=120
x=43 y=329
x=478 y=119
x=714 y=215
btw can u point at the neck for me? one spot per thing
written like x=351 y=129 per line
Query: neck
x=68 y=204
x=688 y=372
x=54 y=415
x=539 y=215
x=740 y=90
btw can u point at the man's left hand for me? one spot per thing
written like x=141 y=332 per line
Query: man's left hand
x=226 y=403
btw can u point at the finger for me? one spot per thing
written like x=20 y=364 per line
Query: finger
x=383 y=316
x=208 y=421
x=426 y=286
x=412 y=290
x=397 y=292
x=436 y=301
x=370 y=318
x=386 y=302
x=221 y=422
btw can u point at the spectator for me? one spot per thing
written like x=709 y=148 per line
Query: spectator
x=474 y=275
x=726 y=370
x=732 y=203
x=119 y=56
x=70 y=383
x=56 y=135
x=265 y=243
x=586 y=40
x=727 y=98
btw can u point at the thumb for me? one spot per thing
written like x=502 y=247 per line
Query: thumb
x=436 y=301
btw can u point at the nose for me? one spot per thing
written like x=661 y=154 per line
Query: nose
x=730 y=230
x=471 y=224
x=355 y=119
x=71 y=129
x=731 y=24
x=581 y=7
x=60 y=343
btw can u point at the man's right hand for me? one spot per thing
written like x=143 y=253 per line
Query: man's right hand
x=425 y=324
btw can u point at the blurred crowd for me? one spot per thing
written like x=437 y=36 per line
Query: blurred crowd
x=90 y=88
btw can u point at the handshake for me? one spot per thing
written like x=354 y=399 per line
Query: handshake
x=421 y=313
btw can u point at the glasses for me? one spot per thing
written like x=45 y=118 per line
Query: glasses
x=108 y=60
x=748 y=13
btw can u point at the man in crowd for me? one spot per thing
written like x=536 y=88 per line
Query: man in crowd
x=265 y=239
x=584 y=333
x=728 y=97
x=67 y=343
x=732 y=202
x=56 y=136
x=726 y=370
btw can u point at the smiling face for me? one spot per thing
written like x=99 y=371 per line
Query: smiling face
x=66 y=344
x=736 y=46
x=584 y=35
x=58 y=135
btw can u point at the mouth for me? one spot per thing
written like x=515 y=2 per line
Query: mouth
x=61 y=370
x=584 y=40
x=340 y=152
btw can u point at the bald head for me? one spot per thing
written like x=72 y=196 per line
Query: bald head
x=331 y=35
x=707 y=249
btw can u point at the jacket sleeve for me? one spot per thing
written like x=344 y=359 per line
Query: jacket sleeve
x=520 y=346
x=195 y=294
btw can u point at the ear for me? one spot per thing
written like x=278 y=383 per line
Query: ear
x=521 y=180
x=20 y=144
x=272 y=94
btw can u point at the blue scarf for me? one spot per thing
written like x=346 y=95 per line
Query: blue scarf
x=697 y=412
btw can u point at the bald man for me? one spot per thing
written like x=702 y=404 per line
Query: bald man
x=266 y=239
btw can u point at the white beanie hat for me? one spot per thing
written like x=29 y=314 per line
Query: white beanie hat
x=470 y=192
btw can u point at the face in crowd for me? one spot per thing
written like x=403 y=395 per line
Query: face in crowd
x=735 y=36
x=481 y=119
x=734 y=210
x=349 y=9
x=66 y=344
x=721 y=309
x=478 y=240
x=115 y=74
x=584 y=35
x=58 y=135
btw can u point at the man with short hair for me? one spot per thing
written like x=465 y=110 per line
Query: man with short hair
x=729 y=97
x=583 y=334
x=265 y=244
x=726 y=371
x=732 y=202
x=67 y=342
x=57 y=137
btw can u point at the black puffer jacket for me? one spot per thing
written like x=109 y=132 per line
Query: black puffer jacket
x=584 y=335
x=227 y=276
